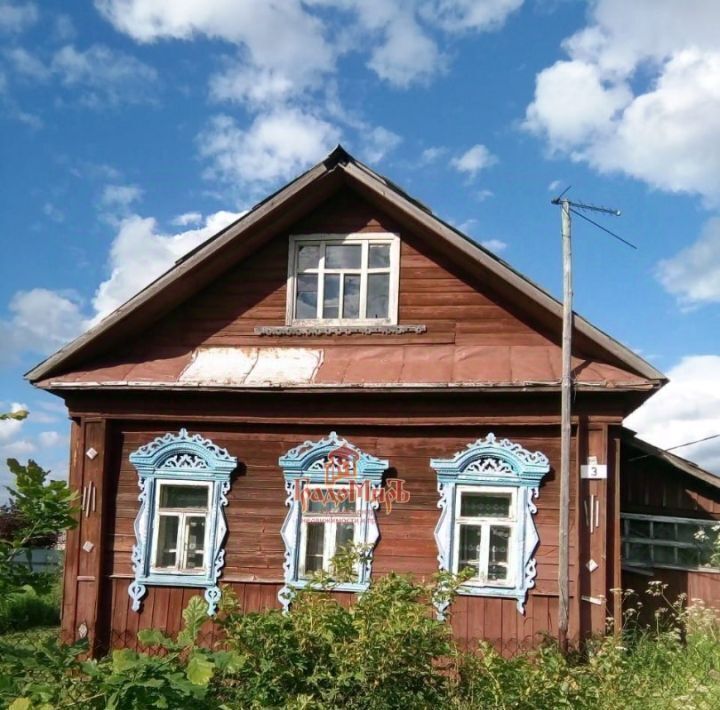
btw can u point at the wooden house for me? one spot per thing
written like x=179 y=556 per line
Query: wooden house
x=670 y=522
x=340 y=365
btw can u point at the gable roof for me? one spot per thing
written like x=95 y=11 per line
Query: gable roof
x=630 y=438
x=199 y=267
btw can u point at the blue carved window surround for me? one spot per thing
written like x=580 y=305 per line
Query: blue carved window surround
x=184 y=480
x=337 y=464
x=486 y=502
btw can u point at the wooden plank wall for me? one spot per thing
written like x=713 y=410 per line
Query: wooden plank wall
x=432 y=293
x=254 y=550
x=651 y=486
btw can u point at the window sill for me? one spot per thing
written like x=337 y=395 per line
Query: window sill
x=310 y=330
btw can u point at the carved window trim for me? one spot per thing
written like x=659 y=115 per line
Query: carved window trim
x=186 y=459
x=488 y=464
x=303 y=466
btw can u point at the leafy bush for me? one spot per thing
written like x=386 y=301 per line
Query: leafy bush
x=40 y=510
x=384 y=650
x=26 y=609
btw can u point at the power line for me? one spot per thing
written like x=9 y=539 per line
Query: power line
x=677 y=446
x=604 y=229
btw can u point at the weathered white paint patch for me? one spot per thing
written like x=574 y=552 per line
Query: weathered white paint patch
x=221 y=366
x=252 y=366
x=285 y=366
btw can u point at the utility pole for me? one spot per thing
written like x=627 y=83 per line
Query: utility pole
x=565 y=432
x=566 y=207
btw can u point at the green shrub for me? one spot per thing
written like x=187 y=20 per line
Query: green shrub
x=384 y=650
x=26 y=609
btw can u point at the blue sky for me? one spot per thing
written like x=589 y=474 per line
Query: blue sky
x=133 y=129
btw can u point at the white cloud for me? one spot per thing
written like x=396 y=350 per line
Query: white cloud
x=19 y=447
x=47 y=439
x=640 y=94
x=140 y=253
x=186 y=219
x=26 y=64
x=42 y=320
x=282 y=44
x=105 y=77
x=289 y=46
x=693 y=274
x=53 y=212
x=277 y=145
x=473 y=160
x=378 y=142
x=10 y=428
x=686 y=409
x=464 y=15
x=120 y=196
x=16 y=17
x=432 y=154
x=483 y=195
x=407 y=55
x=494 y=244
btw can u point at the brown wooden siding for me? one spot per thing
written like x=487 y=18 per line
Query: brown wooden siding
x=651 y=486
x=432 y=293
x=254 y=550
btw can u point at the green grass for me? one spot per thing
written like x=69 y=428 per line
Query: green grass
x=27 y=609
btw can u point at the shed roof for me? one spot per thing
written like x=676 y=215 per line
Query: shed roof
x=199 y=267
x=630 y=438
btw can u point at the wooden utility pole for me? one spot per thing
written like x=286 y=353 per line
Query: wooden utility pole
x=565 y=434
x=567 y=206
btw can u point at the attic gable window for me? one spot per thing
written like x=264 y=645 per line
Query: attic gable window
x=336 y=279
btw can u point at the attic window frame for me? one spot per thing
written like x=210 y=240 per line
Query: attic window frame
x=364 y=239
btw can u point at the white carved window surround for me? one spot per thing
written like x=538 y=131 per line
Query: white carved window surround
x=343 y=279
x=486 y=520
x=331 y=488
x=180 y=527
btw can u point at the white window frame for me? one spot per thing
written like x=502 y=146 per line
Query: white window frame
x=330 y=531
x=363 y=239
x=652 y=542
x=182 y=514
x=485 y=523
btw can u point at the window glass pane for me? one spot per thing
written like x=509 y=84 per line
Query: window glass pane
x=498 y=553
x=328 y=505
x=469 y=547
x=194 y=541
x=308 y=256
x=344 y=534
x=331 y=297
x=664 y=554
x=495 y=505
x=167 y=540
x=638 y=553
x=183 y=496
x=663 y=531
x=343 y=256
x=688 y=557
x=378 y=288
x=314 y=547
x=306 y=303
x=638 y=528
x=351 y=296
x=686 y=532
x=379 y=256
